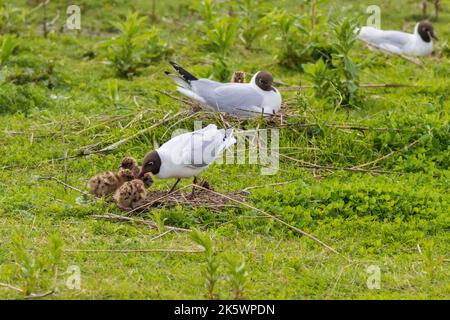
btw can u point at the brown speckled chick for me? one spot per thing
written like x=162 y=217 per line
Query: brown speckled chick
x=131 y=194
x=238 y=77
x=148 y=180
x=106 y=183
x=131 y=164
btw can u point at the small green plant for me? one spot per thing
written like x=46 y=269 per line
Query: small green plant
x=159 y=219
x=54 y=253
x=113 y=91
x=252 y=25
x=155 y=47
x=27 y=268
x=323 y=79
x=7 y=47
x=135 y=46
x=22 y=99
x=431 y=260
x=12 y=19
x=237 y=276
x=219 y=40
x=221 y=37
x=337 y=82
x=210 y=272
x=314 y=16
x=123 y=51
x=292 y=50
x=44 y=74
x=221 y=68
x=34 y=272
x=206 y=8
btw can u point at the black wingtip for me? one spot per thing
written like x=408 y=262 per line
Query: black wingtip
x=167 y=72
x=183 y=73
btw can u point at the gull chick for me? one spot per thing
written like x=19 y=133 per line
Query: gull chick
x=238 y=77
x=131 y=164
x=419 y=43
x=131 y=194
x=106 y=183
x=148 y=180
x=241 y=99
x=188 y=154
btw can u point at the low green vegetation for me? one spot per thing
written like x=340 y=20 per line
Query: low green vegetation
x=135 y=47
x=363 y=164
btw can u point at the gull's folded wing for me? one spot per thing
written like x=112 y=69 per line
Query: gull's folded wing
x=230 y=98
x=389 y=40
x=203 y=146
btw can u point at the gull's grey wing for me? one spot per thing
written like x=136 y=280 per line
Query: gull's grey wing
x=203 y=147
x=236 y=98
x=384 y=39
x=395 y=38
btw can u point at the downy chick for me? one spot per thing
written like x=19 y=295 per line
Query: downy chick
x=131 y=194
x=148 y=180
x=106 y=183
x=238 y=77
x=131 y=164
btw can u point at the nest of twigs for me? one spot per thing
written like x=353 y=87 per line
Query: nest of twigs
x=203 y=198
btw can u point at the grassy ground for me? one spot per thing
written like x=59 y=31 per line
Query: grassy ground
x=396 y=221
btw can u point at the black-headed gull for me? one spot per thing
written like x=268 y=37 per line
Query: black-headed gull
x=242 y=99
x=188 y=154
x=419 y=43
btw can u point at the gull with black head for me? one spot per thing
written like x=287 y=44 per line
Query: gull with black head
x=241 y=99
x=188 y=154
x=419 y=43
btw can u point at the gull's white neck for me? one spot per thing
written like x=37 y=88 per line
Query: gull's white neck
x=253 y=81
x=416 y=32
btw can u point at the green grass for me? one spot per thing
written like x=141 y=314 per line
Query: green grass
x=54 y=97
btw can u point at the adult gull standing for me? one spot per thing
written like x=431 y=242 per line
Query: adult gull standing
x=187 y=154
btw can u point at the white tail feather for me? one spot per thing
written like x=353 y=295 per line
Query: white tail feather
x=191 y=94
x=179 y=81
x=229 y=139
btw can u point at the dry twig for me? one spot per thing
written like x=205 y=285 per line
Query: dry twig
x=165 y=119
x=149 y=223
x=362 y=85
x=66 y=185
x=168 y=250
x=383 y=157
